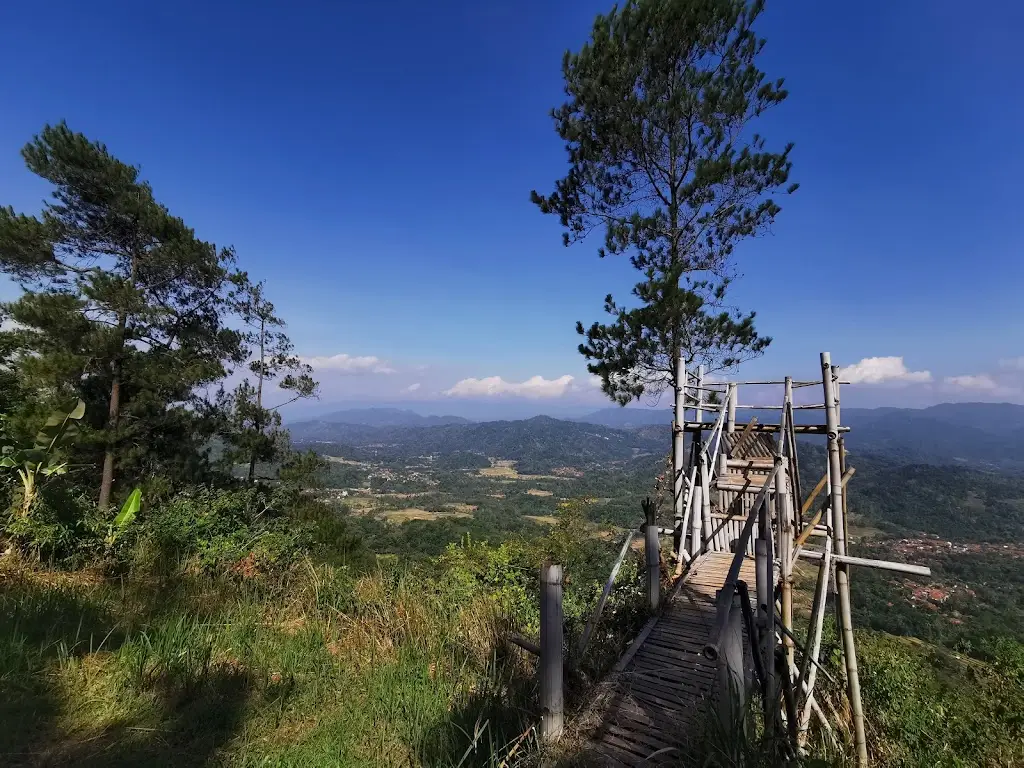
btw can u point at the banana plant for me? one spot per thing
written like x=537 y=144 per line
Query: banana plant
x=125 y=517
x=43 y=459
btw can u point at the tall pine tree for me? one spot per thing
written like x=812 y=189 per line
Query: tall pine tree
x=123 y=306
x=662 y=157
x=254 y=431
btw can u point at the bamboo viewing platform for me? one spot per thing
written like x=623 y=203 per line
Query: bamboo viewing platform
x=742 y=519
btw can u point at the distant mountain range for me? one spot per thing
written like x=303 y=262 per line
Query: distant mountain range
x=390 y=417
x=980 y=435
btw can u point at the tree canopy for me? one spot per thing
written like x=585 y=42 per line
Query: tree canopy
x=123 y=307
x=663 y=158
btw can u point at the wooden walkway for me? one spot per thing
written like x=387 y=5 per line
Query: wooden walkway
x=648 y=711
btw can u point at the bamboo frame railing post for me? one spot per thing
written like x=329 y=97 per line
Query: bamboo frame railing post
x=551 y=638
x=678 y=462
x=700 y=393
x=764 y=568
x=784 y=507
x=732 y=397
x=595 y=617
x=652 y=557
x=705 y=503
x=842 y=569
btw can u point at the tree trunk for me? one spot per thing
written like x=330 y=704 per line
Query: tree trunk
x=114 y=412
x=113 y=416
x=258 y=425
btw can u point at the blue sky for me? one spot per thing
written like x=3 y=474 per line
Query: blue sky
x=373 y=162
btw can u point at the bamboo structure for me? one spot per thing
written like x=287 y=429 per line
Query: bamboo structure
x=738 y=494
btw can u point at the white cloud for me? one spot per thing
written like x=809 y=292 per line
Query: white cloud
x=595 y=382
x=979 y=383
x=882 y=370
x=1012 y=363
x=535 y=387
x=348 y=364
x=412 y=387
x=982 y=384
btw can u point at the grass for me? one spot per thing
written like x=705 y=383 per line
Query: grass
x=315 y=668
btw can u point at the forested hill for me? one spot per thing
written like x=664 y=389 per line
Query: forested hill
x=540 y=443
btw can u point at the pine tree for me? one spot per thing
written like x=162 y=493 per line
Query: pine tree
x=663 y=158
x=255 y=433
x=124 y=306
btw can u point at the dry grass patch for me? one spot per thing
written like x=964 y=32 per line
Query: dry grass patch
x=542 y=519
x=538 y=492
x=499 y=472
x=404 y=515
x=350 y=462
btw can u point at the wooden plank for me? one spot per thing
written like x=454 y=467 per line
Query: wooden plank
x=647 y=738
x=636 y=754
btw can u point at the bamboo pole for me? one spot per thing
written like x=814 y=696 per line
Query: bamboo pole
x=652 y=556
x=784 y=522
x=551 y=696
x=678 y=460
x=700 y=393
x=842 y=569
x=596 y=615
x=800 y=429
x=785 y=527
x=884 y=565
x=732 y=399
x=705 y=502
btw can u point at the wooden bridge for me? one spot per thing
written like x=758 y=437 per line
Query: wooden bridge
x=654 y=701
x=724 y=636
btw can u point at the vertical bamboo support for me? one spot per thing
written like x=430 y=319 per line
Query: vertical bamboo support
x=764 y=561
x=842 y=569
x=787 y=534
x=678 y=501
x=695 y=522
x=705 y=503
x=809 y=666
x=700 y=393
x=551 y=697
x=652 y=555
x=730 y=419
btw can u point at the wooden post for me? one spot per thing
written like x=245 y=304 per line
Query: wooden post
x=730 y=419
x=652 y=555
x=842 y=570
x=730 y=677
x=678 y=460
x=551 y=698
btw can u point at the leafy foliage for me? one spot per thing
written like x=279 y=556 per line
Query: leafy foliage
x=44 y=458
x=253 y=430
x=123 y=306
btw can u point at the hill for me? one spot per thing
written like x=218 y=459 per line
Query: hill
x=539 y=443
x=628 y=418
x=389 y=417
